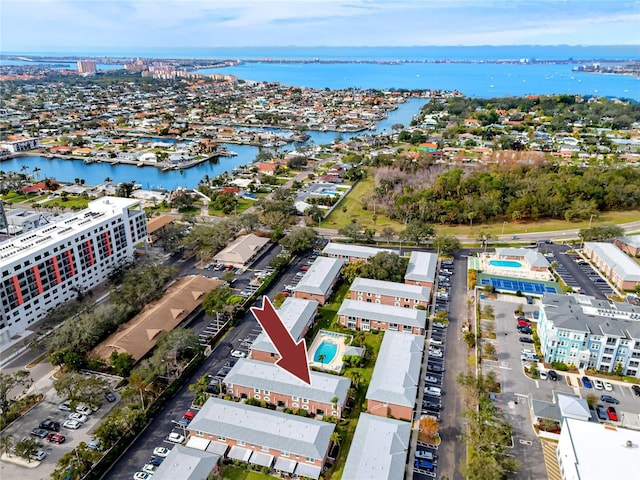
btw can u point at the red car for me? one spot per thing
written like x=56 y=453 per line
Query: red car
x=612 y=414
x=524 y=323
x=56 y=438
x=188 y=415
x=304 y=269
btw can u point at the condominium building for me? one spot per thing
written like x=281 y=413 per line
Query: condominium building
x=389 y=293
x=317 y=284
x=326 y=395
x=421 y=269
x=586 y=332
x=86 y=66
x=360 y=315
x=50 y=265
x=621 y=269
x=352 y=253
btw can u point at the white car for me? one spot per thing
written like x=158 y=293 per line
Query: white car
x=435 y=341
x=161 y=452
x=543 y=374
x=435 y=391
x=175 y=438
x=72 y=424
x=238 y=354
x=65 y=407
x=431 y=379
x=141 y=476
x=607 y=386
x=435 y=353
x=39 y=455
x=150 y=469
x=439 y=325
x=84 y=410
x=78 y=417
x=597 y=384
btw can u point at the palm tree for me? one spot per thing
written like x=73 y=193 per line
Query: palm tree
x=6 y=442
x=355 y=377
x=334 y=402
x=321 y=358
x=36 y=170
x=335 y=438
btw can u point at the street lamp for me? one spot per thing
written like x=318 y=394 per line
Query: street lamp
x=504 y=224
x=591 y=218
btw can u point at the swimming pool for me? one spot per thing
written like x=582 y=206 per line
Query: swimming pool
x=328 y=351
x=505 y=263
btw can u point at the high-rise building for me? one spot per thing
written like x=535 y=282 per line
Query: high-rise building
x=86 y=66
x=48 y=266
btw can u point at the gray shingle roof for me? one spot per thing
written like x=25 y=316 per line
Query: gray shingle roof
x=187 y=464
x=384 y=313
x=350 y=250
x=396 y=374
x=631 y=240
x=620 y=262
x=270 y=377
x=320 y=276
x=378 y=450
x=260 y=426
x=422 y=267
x=296 y=314
x=392 y=289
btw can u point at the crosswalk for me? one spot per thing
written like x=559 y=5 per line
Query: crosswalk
x=550 y=460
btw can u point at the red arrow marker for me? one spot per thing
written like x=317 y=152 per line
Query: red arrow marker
x=293 y=356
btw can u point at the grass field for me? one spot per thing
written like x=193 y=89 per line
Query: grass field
x=354 y=211
x=238 y=473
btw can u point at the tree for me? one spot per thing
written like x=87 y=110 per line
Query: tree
x=388 y=233
x=600 y=233
x=315 y=213
x=321 y=358
x=489 y=349
x=122 y=363
x=334 y=403
x=9 y=381
x=26 y=447
x=6 y=442
x=299 y=239
x=385 y=266
x=352 y=230
x=125 y=189
x=417 y=232
x=200 y=389
x=335 y=438
x=592 y=400
x=249 y=221
x=80 y=389
x=446 y=244
x=429 y=426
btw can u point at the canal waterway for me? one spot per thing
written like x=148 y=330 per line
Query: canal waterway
x=154 y=178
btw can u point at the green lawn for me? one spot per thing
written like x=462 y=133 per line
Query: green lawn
x=72 y=203
x=243 y=204
x=354 y=211
x=237 y=473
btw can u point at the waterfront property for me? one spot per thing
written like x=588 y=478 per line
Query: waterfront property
x=326 y=395
x=318 y=282
x=297 y=315
x=327 y=350
x=47 y=266
x=298 y=444
x=623 y=272
x=421 y=269
x=586 y=332
x=352 y=253
x=516 y=263
x=396 y=376
x=389 y=293
x=358 y=315
x=378 y=450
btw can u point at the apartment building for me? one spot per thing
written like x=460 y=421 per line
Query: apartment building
x=621 y=269
x=50 y=265
x=318 y=282
x=297 y=315
x=361 y=315
x=421 y=269
x=326 y=395
x=389 y=293
x=352 y=253
x=396 y=376
x=297 y=445
x=586 y=332
x=629 y=245
x=87 y=66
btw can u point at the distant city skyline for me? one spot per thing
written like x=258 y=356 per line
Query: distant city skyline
x=80 y=25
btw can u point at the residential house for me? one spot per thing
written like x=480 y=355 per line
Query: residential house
x=360 y=315
x=326 y=395
x=396 y=376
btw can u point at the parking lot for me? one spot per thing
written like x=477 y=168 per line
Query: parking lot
x=49 y=409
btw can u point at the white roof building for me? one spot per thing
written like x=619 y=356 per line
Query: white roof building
x=351 y=252
x=622 y=266
x=320 y=277
x=390 y=289
x=594 y=451
x=422 y=267
x=378 y=450
x=396 y=375
x=384 y=313
x=186 y=464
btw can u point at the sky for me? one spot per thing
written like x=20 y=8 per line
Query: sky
x=72 y=25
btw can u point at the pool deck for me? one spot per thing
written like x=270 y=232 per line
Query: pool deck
x=335 y=365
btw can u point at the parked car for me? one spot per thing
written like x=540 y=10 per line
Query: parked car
x=526 y=339
x=609 y=399
x=439 y=325
x=39 y=432
x=156 y=461
x=586 y=383
x=72 y=424
x=543 y=374
x=613 y=415
x=79 y=417
x=238 y=354
x=429 y=405
x=526 y=330
x=601 y=412
x=435 y=353
x=423 y=464
x=189 y=415
x=636 y=390
x=64 y=406
x=529 y=299
x=431 y=379
x=95 y=445
x=83 y=410
x=435 y=391
x=597 y=384
x=141 y=476
x=425 y=455
x=38 y=455
x=56 y=438
x=161 y=452
x=110 y=397
x=436 y=368
x=149 y=468
x=553 y=375
x=49 y=424
x=175 y=437
x=607 y=386
x=524 y=323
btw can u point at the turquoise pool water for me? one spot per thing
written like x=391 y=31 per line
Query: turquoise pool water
x=328 y=349
x=505 y=263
